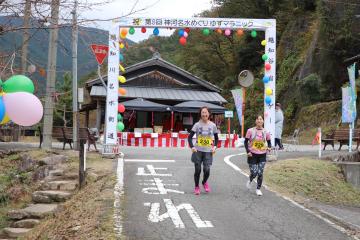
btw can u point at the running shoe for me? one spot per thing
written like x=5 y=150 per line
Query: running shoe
x=258 y=192
x=248 y=184
x=206 y=187
x=197 y=191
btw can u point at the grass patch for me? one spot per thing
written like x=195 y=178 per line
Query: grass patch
x=16 y=186
x=315 y=179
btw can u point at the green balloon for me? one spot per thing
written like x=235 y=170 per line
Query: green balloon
x=18 y=83
x=206 y=31
x=265 y=57
x=120 y=126
x=132 y=30
x=253 y=33
x=120 y=118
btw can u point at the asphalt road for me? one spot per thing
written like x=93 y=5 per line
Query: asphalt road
x=160 y=204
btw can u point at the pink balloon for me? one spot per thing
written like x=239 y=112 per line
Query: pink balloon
x=23 y=108
x=186 y=34
x=227 y=32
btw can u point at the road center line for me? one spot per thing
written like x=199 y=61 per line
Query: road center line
x=331 y=223
x=149 y=161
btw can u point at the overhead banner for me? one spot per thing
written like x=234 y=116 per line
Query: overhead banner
x=351 y=72
x=238 y=99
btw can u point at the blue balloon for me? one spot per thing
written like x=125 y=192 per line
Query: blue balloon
x=181 y=32
x=268 y=100
x=266 y=79
x=156 y=31
x=2 y=109
x=121 y=57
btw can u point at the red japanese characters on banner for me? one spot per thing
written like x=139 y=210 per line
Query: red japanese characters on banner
x=100 y=52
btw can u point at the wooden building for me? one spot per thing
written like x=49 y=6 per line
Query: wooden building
x=163 y=84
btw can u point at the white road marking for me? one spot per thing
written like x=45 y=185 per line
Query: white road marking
x=173 y=214
x=152 y=172
x=331 y=223
x=118 y=192
x=149 y=160
x=160 y=188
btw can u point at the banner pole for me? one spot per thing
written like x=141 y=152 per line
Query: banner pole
x=242 y=113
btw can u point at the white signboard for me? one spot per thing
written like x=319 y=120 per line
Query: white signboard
x=112 y=87
x=211 y=23
x=229 y=114
x=110 y=149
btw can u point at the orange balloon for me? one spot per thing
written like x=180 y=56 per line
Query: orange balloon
x=122 y=91
x=219 y=31
x=124 y=31
x=240 y=32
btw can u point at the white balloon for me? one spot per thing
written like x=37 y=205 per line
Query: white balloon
x=31 y=68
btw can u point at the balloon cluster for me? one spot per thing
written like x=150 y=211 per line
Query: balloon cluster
x=266 y=78
x=120 y=125
x=228 y=32
x=18 y=103
x=122 y=91
x=183 y=34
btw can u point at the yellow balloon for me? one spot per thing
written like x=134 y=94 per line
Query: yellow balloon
x=121 y=68
x=122 y=45
x=122 y=79
x=263 y=42
x=268 y=91
x=6 y=119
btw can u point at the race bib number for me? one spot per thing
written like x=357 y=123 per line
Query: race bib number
x=204 y=141
x=258 y=145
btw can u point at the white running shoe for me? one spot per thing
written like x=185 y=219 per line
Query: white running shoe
x=248 y=184
x=258 y=192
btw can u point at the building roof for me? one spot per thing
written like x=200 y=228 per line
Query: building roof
x=157 y=61
x=164 y=94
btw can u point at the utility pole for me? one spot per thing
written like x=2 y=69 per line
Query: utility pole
x=24 y=49
x=74 y=77
x=51 y=74
x=24 y=52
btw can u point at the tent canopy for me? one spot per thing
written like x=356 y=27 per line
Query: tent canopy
x=194 y=106
x=140 y=104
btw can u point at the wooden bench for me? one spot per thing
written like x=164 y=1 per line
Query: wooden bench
x=65 y=135
x=342 y=136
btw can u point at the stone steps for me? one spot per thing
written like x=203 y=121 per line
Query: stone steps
x=60 y=185
x=65 y=177
x=56 y=173
x=57 y=186
x=34 y=211
x=50 y=196
x=26 y=223
x=16 y=232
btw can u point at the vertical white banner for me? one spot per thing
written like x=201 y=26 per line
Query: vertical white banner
x=269 y=109
x=112 y=87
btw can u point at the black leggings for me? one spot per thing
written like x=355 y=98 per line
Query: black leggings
x=278 y=142
x=257 y=170
x=206 y=170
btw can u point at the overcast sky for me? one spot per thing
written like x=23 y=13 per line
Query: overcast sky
x=155 y=8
